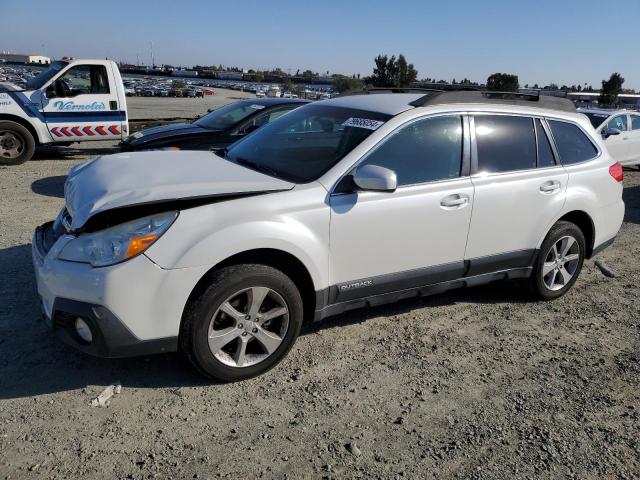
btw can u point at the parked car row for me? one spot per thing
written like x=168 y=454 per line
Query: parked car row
x=334 y=205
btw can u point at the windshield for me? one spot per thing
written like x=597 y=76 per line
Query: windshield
x=44 y=76
x=304 y=144
x=229 y=115
x=596 y=119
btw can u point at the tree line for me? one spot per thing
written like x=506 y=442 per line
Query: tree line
x=397 y=72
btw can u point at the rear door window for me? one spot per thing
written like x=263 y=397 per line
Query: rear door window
x=635 y=122
x=545 y=153
x=505 y=143
x=573 y=145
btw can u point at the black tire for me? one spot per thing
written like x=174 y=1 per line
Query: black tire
x=223 y=284
x=15 y=136
x=537 y=284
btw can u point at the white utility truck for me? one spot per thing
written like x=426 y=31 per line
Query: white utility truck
x=70 y=101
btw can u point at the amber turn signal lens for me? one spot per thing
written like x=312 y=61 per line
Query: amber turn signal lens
x=138 y=245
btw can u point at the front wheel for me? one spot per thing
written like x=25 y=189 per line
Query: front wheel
x=243 y=323
x=559 y=262
x=16 y=143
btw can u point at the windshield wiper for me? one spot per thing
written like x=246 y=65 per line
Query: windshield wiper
x=258 y=167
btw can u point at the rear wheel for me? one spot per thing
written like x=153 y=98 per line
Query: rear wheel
x=559 y=262
x=16 y=143
x=243 y=324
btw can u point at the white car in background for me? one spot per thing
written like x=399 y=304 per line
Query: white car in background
x=620 y=130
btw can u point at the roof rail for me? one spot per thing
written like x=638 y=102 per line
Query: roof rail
x=373 y=90
x=487 y=97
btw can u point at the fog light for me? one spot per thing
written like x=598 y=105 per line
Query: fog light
x=83 y=330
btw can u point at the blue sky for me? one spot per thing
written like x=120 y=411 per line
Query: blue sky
x=541 y=41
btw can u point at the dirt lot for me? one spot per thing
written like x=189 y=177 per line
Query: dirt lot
x=480 y=383
x=167 y=107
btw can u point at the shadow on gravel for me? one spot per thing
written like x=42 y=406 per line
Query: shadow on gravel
x=631 y=197
x=501 y=292
x=50 y=186
x=33 y=362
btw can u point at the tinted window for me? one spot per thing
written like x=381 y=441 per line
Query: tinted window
x=424 y=151
x=82 y=79
x=545 y=154
x=268 y=116
x=305 y=143
x=596 y=119
x=505 y=143
x=619 y=122
x=635 y=122
x=573 y=145
x=229 y=115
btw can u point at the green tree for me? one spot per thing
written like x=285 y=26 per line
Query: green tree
x=342 y=83
x=392 y=72
x=503 y=82
x=406 y=73
x=611 y=89
x=380 y=77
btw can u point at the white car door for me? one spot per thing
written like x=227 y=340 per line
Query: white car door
x=519 y=190
x=388 y=241
x=619 y=146
x=634 y=138
x=82 y=105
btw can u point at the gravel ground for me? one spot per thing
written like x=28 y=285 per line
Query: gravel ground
x=477 y=383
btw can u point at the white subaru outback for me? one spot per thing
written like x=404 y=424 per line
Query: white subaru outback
x=340 y=204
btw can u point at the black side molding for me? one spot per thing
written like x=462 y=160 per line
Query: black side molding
x=423 y=281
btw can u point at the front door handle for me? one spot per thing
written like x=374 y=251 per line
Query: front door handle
x=551 y=186
x=456 y=200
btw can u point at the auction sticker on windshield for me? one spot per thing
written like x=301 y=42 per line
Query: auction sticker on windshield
x=363 y=123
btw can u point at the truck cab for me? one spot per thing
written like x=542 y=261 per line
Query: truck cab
x=70 y=101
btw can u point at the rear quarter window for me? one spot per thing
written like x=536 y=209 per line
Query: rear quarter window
x=573 y=145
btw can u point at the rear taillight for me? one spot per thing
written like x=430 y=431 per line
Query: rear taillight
x=615 y=171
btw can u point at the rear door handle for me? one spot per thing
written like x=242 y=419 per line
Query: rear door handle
x=551 y=186
x=456 y=200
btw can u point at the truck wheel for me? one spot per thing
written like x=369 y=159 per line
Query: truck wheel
x=559 y=262
x=243 y=323
x=16 y=143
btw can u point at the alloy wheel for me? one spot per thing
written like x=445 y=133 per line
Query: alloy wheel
x=248 y=327
x=561 y=263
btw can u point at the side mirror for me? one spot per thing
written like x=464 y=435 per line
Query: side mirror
x=375 y=178
x=608 y=132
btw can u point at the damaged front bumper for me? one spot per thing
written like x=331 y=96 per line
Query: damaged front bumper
x=128 y=307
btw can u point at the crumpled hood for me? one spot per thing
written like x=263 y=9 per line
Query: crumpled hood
x=129 y=179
